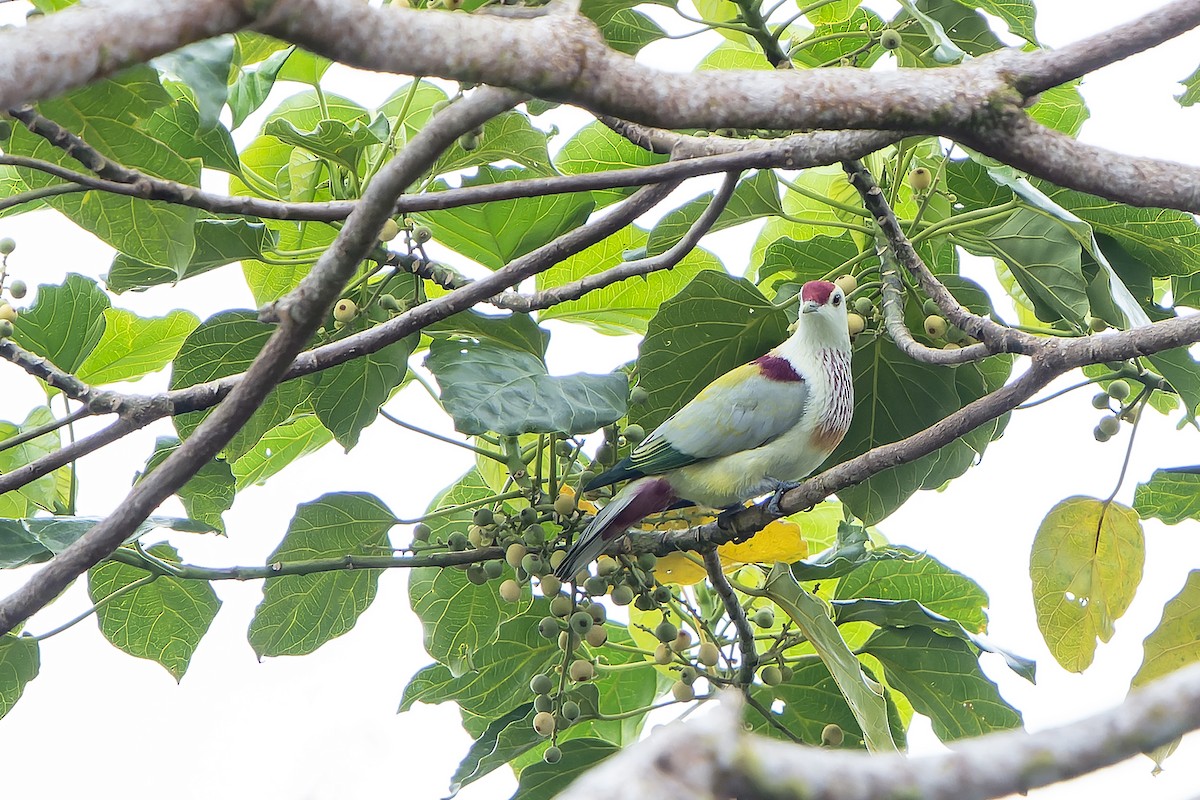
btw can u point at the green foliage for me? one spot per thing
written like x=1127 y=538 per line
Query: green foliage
x=20 y=660
x=1171 y=495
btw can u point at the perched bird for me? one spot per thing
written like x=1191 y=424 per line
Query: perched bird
x=758 y=428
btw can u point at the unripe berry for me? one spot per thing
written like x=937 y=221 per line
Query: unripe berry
x=543 y=723
x=920 y=179
x=1100 y=400
x=708 y=654
x=595 y=586
x=891 y=39
x=581 y=670
x=764 y=617
x=476 y=575
x=1096 y=325
x=930 y=307
x=345 y=310
x=563 y=448
x=493 y=569
x=832 y=735
x=634 y=433
x=647 y=560
x=847 y=283
x=855 y=323
x=457 y=541
x=663 y=655
x=683 y=692
x=391 y=229
x=606 y=565
x=483 y=516
x=421 y=234
x=528 y=516
x=666 y=631
x=533 y=564
x=560 y=606
x=622 y=595
x=468 y=141
x=661 y=594
x=534 y=535
x=549 y=585
x=935 y=326
x=541 y=684
x=1100 y=435
x=570 y=711
x=422 y=532
x=6 y=329
x=7 y=312
x=514 y=554
x=581 y=622
x=1110 y=425
x=510 y=590
x=771 y=675
x=605 y=453
x=543 y=702
x=552 y=755
x=864 y=306
x=17 y=289
x=638 y=395
x=688 y=675
x=598 y=612
x=597 y=636
x=548 y=628
x=1118 y=390
x=7 y=245
x=682 y=642
x=564 y=505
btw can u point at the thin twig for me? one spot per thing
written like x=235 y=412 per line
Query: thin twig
x=737 y=615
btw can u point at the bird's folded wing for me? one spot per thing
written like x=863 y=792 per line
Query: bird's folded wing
x=739 y=411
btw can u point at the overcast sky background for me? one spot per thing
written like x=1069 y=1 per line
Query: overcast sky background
x=99 y=723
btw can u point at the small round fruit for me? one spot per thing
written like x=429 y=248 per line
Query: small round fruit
x=1100 y=435
x=570 y=711
x=1118 y=390
x=560 y=606
x=458 y=541
x=6 y=329
x=541 y=684
x=543 y=723
x=543 y=702
x=832 y=735
x=638 y=395
x=930 y=307
x=483 y=516
x=567 y=642
x=682 y=642
x=864 y=306
x=515 y=554
x=468 y=141
x=1096 y=325
x=1100 y=400
x=581 y=670
x=605 y=453
x=528 y=516
x=421 y=234
x=595 y=586
x=7 y=245
x=663 y=654
x=564 y=505
x=606 y=565
x=645 y=602
x=533 y=563
x=391 y=229
x=476 y=575
x=647 y=560
x=552 y=755
x=891 y=39
x=661 y=594
x=935 y=326
x=951 y=346
x=345 y=310
x=388 y=302
x=771 y=675
x=597 y=636
x=955 y=334
x=635 y=434
x=786 y=673
x=855 y=323
x=510 y=590
x=7 y=312
x=586 y=477
x=1110 y=425
x=764 y=617
x=581 y=622
x=666 y=631
x=688 y=675
x=920 y=179
x=549 y=585
x=683 y=692
x=847 y=283
x=548 y=628
x=493 y=569
x=534 y=535
x=563 y=448
x=708 y=654
x=622 y=595
x=18 y=289
x=422 y=532
x=598 y=612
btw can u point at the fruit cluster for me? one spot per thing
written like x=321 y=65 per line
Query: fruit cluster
x=15 y=289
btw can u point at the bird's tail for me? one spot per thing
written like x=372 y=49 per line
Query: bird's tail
x=637 y=500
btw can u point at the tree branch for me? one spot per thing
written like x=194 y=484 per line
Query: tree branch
x=737 y=615
x=713 y=756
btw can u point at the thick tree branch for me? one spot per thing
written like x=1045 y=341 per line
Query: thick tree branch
x=713 y=756
x=299 y=313
x=737 y=615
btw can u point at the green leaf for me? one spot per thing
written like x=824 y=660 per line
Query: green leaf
x=1173 y=644
x=507 y=137
x=946 y=32
x=840 y=30
x=1171 y=495
x=110 y=116
x=488 y=387
x=625 y=30
x=134 y=346
x=1018 y=15
x=1185 y=290
x=279 y=447
x=34 y=540
x=177 y=125
x=717 y=322
x=334 y=139
x=416 y=110
x=920 y=577
x=625 y=306
x=597 y=148
x=1061 y=108
x=208 y=494
x=66 y=322
x=299 y=613
x=497 y=232
x=753 y=198
x=811 y=259
x=162 y=621
x=223 y=345
x=20 y=661
x=543 y=781
x=347 y=397
x=42 y=492
x=218 y=242
x=250 y=88
x=204 y=67
x=1046 y=261
x=941 y=677
x=1183 y=373
x=1085 y=566
x=502 y=741
x=733 y=55
x=519 y=331
x=817 y=217
x=812 y=619
x=1191 y=90
x=910 y=613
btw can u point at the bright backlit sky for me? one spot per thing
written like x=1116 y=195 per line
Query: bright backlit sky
x=99 y=723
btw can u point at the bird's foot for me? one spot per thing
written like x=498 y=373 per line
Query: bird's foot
x=780 y=488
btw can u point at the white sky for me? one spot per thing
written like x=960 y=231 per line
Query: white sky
x=99 y=723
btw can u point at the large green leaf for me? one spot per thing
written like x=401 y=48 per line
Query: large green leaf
x=333 y=139
x=178 y=126
x=811 y=618
x=625 y=29
x=1046 y=260
x=224 y=345
x=218 y=242
x=111 y=116
x=1173 y=644
x=410 y=107
x=299 y=613
x=920 y=577
x=596 y=148
x=34 y=540
x=1018 y=15
x=1171 y=495
x=944 y=33
x=810 y=216
x=1183 y=373
x=626 y=306
x=20 y=661
x=208 y=494
x=507 y=137
x=717 y=322
x=849 y=33
x=544 y=781
x=204 y=67
x=347 y=397
x=754 y=197
x=497 y=232
x=514 y=330
x=279 y=447
x=488 y=387
x=501 y=742
x=66 y=322
x=941 y=677
x=1191 y=90
x=1085 y=566
x=42 y=492
x=162 y=621
x=1062 y=108
x=811 y=259
x=134 y=346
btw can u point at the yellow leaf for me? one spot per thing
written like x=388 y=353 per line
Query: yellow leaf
x=782 y=540
x=678 y=568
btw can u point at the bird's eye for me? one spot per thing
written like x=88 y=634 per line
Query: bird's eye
x=837 y=299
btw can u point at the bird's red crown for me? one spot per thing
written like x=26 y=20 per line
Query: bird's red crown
x=817 y=291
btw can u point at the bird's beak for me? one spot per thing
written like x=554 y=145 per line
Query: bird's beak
x=809 y=306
